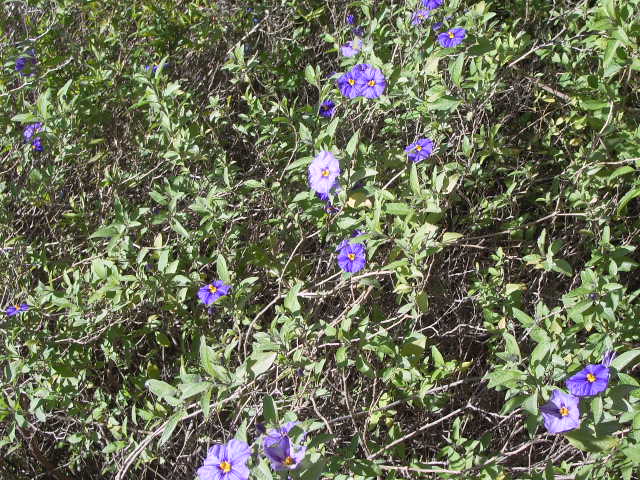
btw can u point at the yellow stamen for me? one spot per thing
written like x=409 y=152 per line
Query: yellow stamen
x=288 y=461
x=325 y=172
x=564 y=411
x=351 y=81
x=418 y=148
x=352 y=256
x=213 y=289
x=371 y=83
x=225 y=467
x=591 y=377
x=451 y=34
x=17 y=307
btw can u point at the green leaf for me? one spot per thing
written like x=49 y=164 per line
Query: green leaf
x=221 y=269
x=630 y=195
x=438 y=359
x=106 y=232
x=291 y=300
x=192 y=389
x=353 y=142
x=413 y=180
x=259 y=362
x=205 y=402
x=161 y=389
x=99 y=269
x=596 y=408
x=511 y=345
x=445 y=104
x=310 y=75
x=398 y=209
x=531 y=403
x=455 y=68
x=585 y=441
x=171 y=426
x=24 y=118
x=269 y=409
x=450 y=237
x=621 y=361
x=522 y=317
x=502 y=377
x=633 y=454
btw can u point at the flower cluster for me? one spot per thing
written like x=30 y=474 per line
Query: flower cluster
x=229 y=461
x=363 y=80
x=562 y=413
x=29 y=136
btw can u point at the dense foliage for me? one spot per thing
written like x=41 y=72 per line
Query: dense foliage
x=413 y=321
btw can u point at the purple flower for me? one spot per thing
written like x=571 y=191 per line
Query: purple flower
x=351 y=48
x=226 y=462
x=26 y=65
x=352 y=257
x=154 y=68
x=432 y=4
x=561 y=412
x=358 y=31
x=30 y=130
x=16 y=309
x=326 y=108
x=213 y=291
x=357 y=232
x=452 y=38
x=591 y=380
x=323 y=172
x=419 y=17
x=330 y=208
x=370 y=80
x=37 y=144
x=280 y=450
x=348 y=85
x=351 y=19
x=437 y=26
x=419 y=150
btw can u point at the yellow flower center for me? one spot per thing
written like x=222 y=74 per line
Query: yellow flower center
x=451 y=34
x=225 y=467
x=371 y=83
x=352 y=256
x=288 y=461
x=591 y=377
x=418 y=148
x=325 y=172
x=564 y=411
x=17 y=307
x=351 y=81
x=213 y=289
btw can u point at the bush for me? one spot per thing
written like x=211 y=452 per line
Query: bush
x=414 y=317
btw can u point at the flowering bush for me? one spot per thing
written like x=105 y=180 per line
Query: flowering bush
x=320 y=240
